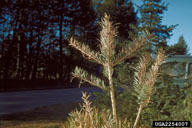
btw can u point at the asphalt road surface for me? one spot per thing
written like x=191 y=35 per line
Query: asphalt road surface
x=20 y=101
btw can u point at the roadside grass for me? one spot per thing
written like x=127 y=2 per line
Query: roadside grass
x=52 y=116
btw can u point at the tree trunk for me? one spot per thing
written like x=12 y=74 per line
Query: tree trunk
x=34 y=74
x=18 y=57
x=113 y=102
x=138 y=116
x=29 y=58
x=61 y=48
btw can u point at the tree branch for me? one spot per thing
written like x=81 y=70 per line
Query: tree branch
x=85 y=50
x=128 y=51
x=93 y=80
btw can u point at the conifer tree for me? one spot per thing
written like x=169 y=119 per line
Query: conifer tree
x=151 y=19
x=180 y=48
x=107 y=57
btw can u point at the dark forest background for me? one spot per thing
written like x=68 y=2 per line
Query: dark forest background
x=34 y=47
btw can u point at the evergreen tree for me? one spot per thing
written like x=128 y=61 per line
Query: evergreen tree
x=107 y=57
x=32 y=30
x=144 y=79
x=180 y=48
x=151 y=17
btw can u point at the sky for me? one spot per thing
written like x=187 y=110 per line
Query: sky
x=178 y=12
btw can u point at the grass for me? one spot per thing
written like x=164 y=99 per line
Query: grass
x=52 y=116
x=31 y=124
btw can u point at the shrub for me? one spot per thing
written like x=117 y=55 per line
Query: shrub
x=91 y=117
x=183 y=109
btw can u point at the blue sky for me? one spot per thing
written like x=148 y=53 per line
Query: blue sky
x=179 y=12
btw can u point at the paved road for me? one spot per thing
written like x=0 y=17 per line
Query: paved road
x=11 y=102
